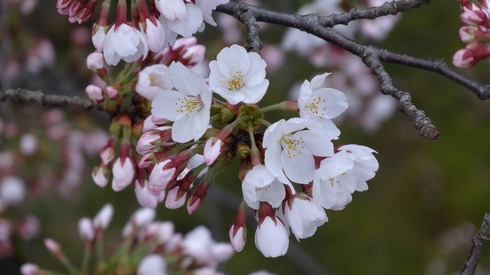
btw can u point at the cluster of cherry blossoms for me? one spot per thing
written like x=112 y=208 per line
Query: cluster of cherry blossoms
x=196 y=135
x=476 y=15
x=173 y=130
x=151 y=28
x=148 y=247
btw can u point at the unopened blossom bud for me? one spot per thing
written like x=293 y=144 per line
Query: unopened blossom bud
x=165 y=232
x=475 y=17
x=98 y=36
x=112 y=92
x=175 y=198
x=222 y=251
x=238 y=237
x=271 y=237
x=143 y=217
x=145 y=196
x=123 y=171
x=147 y=160
x=154 y=32
x=162 y=174
x=153 y=81
x=94 y=93
x=174 y=242
x=86 y=229
x=198 y=245
x=104 y=217
x=30 y=269
x=238 y=231
x=28 y=144
x=193 y=55
x=212 y=149
x=53 y=247
x=152 y=264
x=107 y=152
x=149 y=141
x=152 y=122
x=95 y=61
x=100 y=175
x=471 y=54
x=12 y=190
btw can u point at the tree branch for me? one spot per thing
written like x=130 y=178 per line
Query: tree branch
x=39 y=97
x=247 y=17
x=480 y=242
x=388 y=8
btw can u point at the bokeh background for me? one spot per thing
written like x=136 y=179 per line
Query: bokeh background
x=418 y=216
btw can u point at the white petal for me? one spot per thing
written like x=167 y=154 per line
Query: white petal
x=298 y=168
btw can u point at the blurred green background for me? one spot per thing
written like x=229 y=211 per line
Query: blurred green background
x=420 y=212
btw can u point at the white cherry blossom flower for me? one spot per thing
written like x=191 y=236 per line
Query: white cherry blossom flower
x=290 y=149
x=365 y=164
x=171 y=9
x=124 y=42
x=271 y=237
x=261 y=185
x=238 y=76
x=188 y=106
x=320 y=104
x=303 y=216
x=153 y=81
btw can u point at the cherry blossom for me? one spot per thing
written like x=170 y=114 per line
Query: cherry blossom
x=303 y=216
x=153 y=81
x=238 y=76
x=290 y=149
x=188 y=106
x=271 y=237
x=260 y=185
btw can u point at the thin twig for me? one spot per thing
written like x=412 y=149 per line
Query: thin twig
x=39 y=97
x=480 y=242
x=388 y=8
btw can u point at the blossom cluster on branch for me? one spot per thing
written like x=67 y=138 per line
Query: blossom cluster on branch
x=177 y=121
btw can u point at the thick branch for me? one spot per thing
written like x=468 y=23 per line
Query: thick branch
x=253 y=29
x=480 y=242
x=39 y=97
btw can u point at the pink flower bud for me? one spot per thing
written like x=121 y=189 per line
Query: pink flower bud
x=12 y=190
x=123 y=171
x=100 y=175
x=238 y=237
x=175 y=198
x=95 y=61
x=193 y=55
x=98 y=36
x=29 y=269
x=154 y=33
x=152 y=122
x=212 y=149
x=146 y=197
x=107 y=152
x=162 y=174
x=149 y=141
x=53 y=247
x=86 y=229
x=152 y=264
x=112 y=92
x=104 y=217
x=94 y=93
x=143 y=217
x=471 y=54
x=222 y=251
